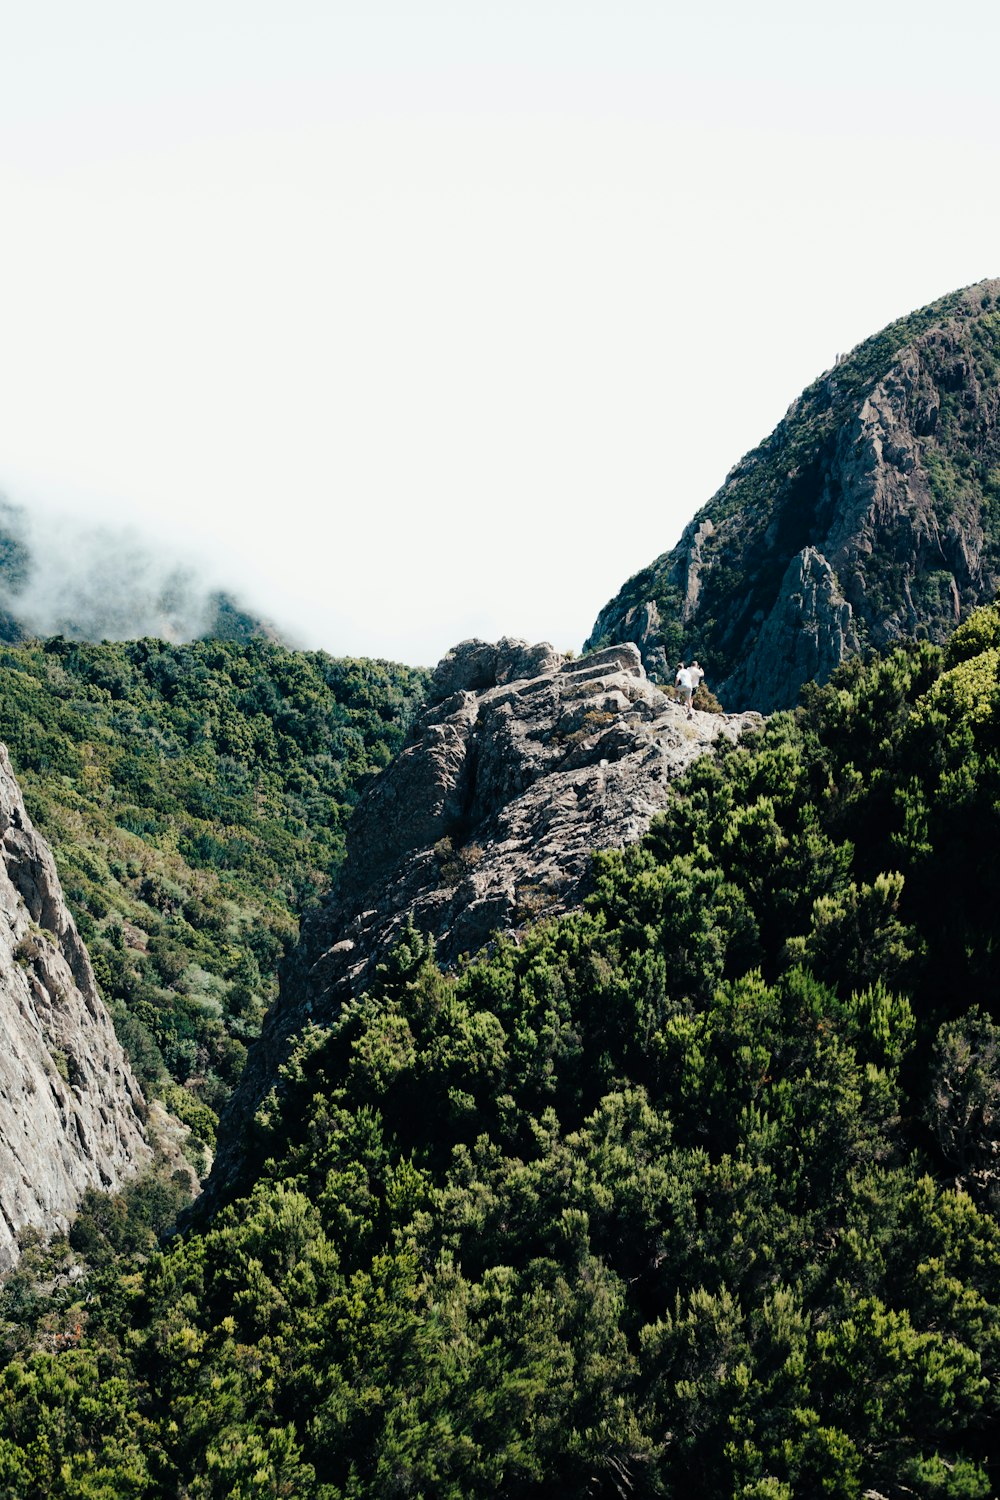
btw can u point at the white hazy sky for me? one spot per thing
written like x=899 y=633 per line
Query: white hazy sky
x=424 y=320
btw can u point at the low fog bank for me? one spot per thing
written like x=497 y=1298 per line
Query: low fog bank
x=60 y=575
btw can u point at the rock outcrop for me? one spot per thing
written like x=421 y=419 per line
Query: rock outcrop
x=871 y=514
x=523 y=764
x=71 y=1112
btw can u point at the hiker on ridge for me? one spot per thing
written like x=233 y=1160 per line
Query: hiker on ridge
x=685 y=686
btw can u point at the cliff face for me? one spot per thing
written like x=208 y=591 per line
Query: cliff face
x=523 y=763
x=70 y=1109
x=871 y=513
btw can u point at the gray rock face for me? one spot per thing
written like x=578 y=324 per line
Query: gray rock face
x=524 y=763
x=809 y=631
x=642 y=624
x=70 y=1110
x=472 y=666
x=867 y=516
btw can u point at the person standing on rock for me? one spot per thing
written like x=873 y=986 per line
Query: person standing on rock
x=685 y=686
x=697 y=676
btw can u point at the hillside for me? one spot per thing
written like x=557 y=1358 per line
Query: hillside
x=871 y=514
x=692 y=1193
x=667 y=1170
x=196 y=799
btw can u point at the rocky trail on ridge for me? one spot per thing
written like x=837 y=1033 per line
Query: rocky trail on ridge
x=523 y=764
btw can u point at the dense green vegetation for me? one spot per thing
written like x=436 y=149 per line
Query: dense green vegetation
x=692 y=1194
x=196 y=798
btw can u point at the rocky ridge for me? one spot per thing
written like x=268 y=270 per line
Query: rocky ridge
x=523 y=763
x=871 y=514
x=71 y=1112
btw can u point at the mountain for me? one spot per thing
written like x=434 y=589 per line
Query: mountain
x=871 y=514
x=693 y=1191
x=666 y=1169
x=71 y=1113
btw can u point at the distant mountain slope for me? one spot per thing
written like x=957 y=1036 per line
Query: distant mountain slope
x=870 y=514
x=97 y=582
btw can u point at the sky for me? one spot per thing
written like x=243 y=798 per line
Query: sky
x=414 y=321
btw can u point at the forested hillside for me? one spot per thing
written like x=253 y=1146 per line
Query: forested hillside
x=691 y=1194
x=195 y=798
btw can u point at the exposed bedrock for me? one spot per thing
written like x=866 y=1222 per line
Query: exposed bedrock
x=869 y=515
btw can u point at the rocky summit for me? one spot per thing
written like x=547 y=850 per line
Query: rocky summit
x=522 y=765
x=871 y=514
x=71 y=1113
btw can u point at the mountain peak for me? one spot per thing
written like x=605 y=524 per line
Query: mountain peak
x=871 y=513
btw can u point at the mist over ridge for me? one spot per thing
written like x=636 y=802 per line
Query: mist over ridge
x=63 y=575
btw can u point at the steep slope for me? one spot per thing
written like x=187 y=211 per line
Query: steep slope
x=523 y=764
x=870 y=514
x=70 y=1110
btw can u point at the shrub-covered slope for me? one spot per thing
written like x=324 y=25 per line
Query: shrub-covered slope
x=870 y=514
x=195 y=798
x=693 y=1193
